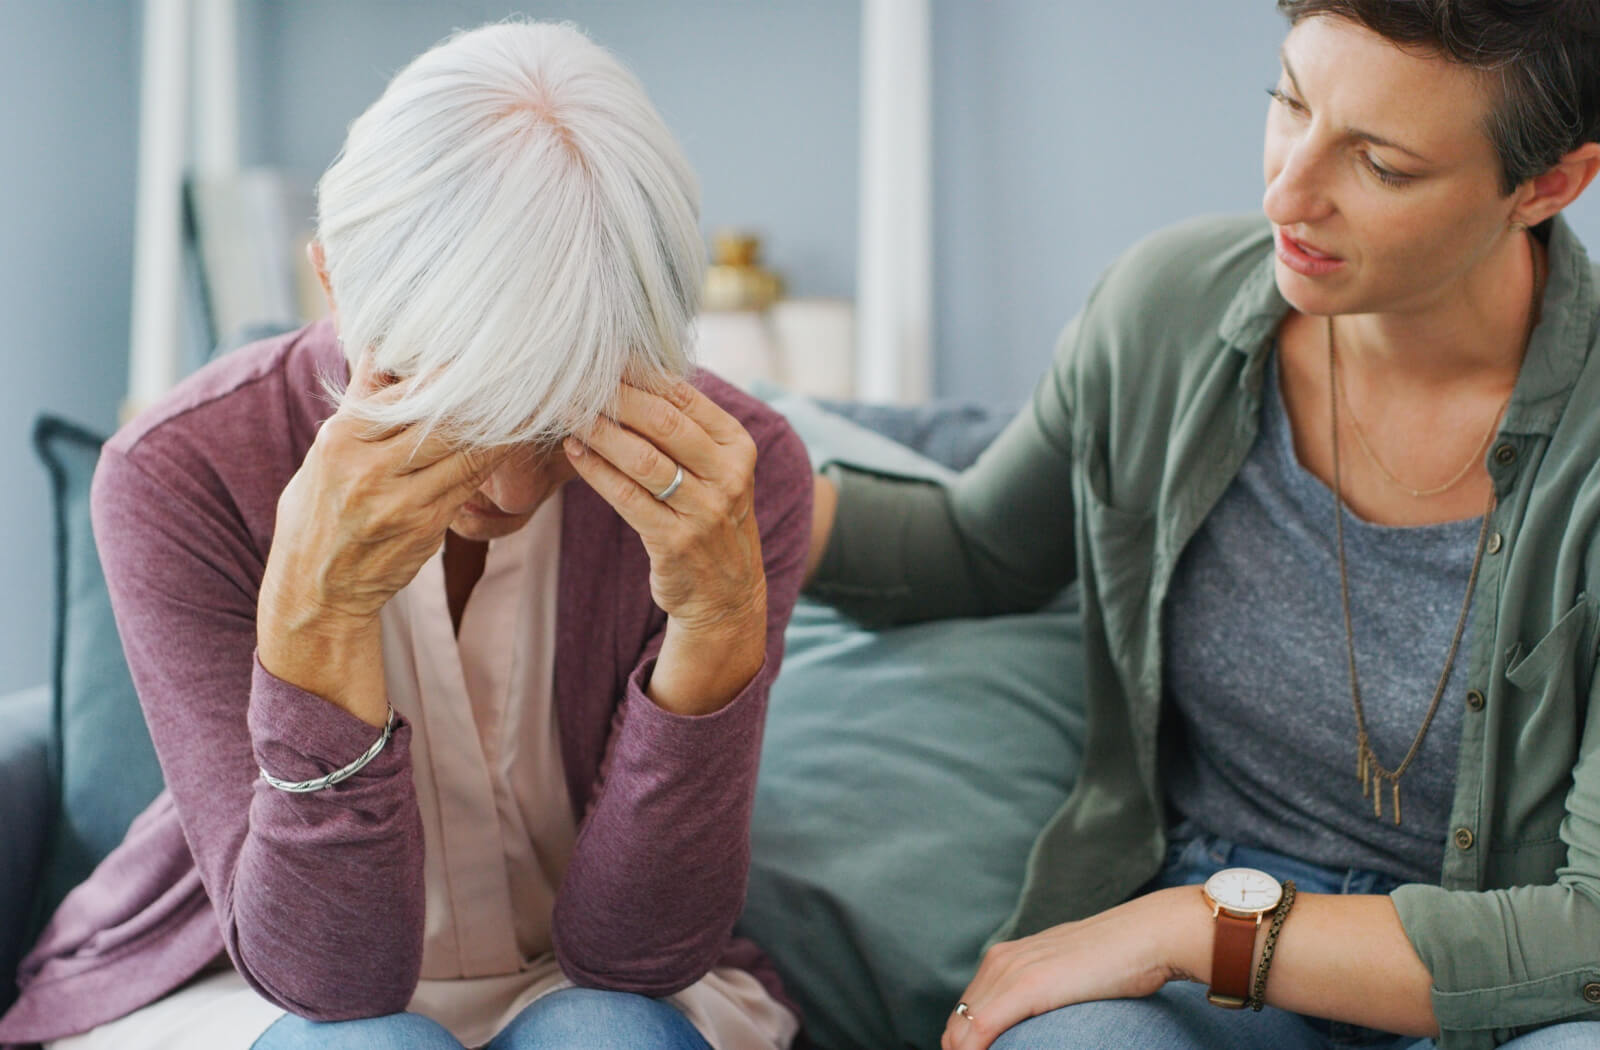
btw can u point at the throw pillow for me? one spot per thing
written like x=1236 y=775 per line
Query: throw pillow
x=105 y=765
x=905 y=776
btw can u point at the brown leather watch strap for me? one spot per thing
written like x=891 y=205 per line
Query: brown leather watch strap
x=1233 y=949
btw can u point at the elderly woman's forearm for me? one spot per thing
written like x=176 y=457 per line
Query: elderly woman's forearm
x=342 y=664
x=701 y=669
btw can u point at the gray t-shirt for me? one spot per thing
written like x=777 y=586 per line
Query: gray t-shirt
x=1257 y=668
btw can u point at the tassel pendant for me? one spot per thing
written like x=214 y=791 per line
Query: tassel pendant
x=1372 y=776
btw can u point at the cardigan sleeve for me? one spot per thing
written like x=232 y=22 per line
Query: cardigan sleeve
x=318 y=896
x=657 y=876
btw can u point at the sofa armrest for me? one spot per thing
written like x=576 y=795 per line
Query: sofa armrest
x=25 y=811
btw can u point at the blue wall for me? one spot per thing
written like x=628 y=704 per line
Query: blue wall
x=67 y=78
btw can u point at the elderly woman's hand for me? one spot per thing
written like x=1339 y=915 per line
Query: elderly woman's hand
x=354 y=524
x=706 y=571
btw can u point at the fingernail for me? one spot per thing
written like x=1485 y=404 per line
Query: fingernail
x=573 y=446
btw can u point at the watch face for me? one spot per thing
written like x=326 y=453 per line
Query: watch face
x=1244 y=890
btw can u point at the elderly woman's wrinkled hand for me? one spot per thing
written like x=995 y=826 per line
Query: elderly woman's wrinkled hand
x=354 y=524
x=706 y=570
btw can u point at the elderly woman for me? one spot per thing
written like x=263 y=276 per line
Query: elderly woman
x=1327 y=482
x=454 y=618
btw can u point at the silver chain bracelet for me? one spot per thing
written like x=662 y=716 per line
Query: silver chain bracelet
x=300 y=787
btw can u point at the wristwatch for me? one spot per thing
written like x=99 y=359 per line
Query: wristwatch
x=1238 y=898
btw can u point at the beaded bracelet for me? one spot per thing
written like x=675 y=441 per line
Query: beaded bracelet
x=1258 y=991
x=300 y=787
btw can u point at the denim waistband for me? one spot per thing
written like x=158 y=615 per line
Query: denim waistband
x=1193 y=855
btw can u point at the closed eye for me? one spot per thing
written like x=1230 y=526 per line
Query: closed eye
x=1286 y=100
x=1387 y=176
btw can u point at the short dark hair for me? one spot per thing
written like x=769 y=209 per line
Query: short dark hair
x=1545 y=55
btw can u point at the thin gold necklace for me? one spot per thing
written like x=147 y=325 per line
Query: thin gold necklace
x=1372 y=457
x=1371 y=772
x=1488 y=434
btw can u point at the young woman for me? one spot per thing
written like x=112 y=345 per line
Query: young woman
x=1327 y=483
x=457 y=677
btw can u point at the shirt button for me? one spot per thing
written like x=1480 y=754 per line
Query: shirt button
x=1475 y=700
x=1505 y=455
x=1463 y=838
x=1496 y=541
x=1591 y=991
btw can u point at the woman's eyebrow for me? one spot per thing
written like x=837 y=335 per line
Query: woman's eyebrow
x=1355 y=133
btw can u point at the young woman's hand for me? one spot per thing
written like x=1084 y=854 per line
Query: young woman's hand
x=354 y=524
x=706 y=570
x=1127 y=952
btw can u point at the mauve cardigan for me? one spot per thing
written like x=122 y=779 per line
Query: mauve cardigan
x=318 y=899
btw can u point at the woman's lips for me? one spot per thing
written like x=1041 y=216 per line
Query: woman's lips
x=1304 y=259
x=484 y=510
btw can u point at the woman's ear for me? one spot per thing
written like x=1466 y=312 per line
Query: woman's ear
x=319 y=263
x=1545 y=195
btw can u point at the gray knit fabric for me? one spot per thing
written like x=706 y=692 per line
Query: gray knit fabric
x=1256 y=668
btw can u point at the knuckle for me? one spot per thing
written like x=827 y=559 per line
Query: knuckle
x=745 y=453
x=665 y=419
x=330 y=433
x=629 y=497
x=648 y=462
x=721 y=503
x=681 y=394
x=476 y=464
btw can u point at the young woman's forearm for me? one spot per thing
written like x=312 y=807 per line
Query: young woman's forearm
x=1344 y=958
x=1348 y=958
x=824 y=507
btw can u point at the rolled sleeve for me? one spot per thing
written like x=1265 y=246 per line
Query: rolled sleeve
x=1504 y=960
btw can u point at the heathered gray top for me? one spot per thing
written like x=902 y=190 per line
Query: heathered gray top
x=1257 y=667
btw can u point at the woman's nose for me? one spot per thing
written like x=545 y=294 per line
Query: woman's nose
x=507 y=489
x=1296 y=191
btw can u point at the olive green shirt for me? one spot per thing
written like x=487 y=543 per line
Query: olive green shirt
x=1148 y=413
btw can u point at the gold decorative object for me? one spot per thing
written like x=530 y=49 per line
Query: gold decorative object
x=735 y=280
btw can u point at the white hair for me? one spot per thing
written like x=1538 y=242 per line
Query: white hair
x=512 y=230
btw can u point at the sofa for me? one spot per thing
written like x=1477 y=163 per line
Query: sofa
x=905 y=772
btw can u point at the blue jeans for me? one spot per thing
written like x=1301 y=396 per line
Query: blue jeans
x=1179 y=1018
x=571 y=1019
